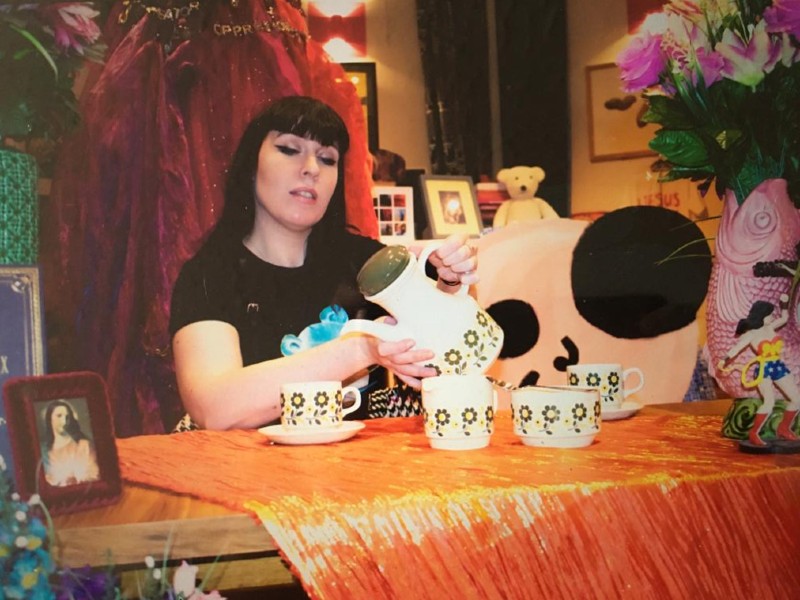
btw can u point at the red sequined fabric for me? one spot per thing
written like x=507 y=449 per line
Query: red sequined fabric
x=141 y=182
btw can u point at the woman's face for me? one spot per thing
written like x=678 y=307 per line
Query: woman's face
x=295 y=180
x=59 y=419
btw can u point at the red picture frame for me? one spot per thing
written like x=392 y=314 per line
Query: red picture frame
x=62 y=439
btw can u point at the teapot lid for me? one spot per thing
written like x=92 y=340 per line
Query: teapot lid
x=382 y=269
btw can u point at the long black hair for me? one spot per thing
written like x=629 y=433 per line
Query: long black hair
x=72 y=427
x=759 y=311
x=299 y=115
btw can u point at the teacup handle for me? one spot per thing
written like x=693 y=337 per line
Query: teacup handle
x=355 y=392
x=423 y=259
x=625 y=374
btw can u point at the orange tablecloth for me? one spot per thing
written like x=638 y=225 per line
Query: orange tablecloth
x=660 y=506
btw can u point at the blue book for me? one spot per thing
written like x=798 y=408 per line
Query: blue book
x=21 y=337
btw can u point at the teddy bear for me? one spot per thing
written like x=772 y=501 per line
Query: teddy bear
x=521 y=184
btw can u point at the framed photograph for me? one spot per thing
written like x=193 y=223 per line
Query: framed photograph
x=21 y=335
x=394 y=207
x=63 y=441
x=452 y=205
x=362 y=75
x=616 y=129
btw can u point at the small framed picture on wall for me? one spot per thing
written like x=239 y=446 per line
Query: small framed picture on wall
x=616 y=128
x=394 y=207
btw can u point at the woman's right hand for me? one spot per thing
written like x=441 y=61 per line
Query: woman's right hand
x=401 y=357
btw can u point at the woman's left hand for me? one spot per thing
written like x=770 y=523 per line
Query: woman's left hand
x=456 y=261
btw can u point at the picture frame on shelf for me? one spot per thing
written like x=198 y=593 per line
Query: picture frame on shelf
x=22 y=347
x=394 y=208
x=362 y=76
x=451 y=204
x=63 y=442
x=616 y=131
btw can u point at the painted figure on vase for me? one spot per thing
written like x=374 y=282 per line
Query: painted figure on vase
x=765 y=228
x=767 y=370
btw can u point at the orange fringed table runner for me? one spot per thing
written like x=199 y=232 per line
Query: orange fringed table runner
x=660 y=506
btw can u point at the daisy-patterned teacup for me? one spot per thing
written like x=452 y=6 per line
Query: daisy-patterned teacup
x=316 y=404
x=556 y=416
x=608 y=378
x=458 y=411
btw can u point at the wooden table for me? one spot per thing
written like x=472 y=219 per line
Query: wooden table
x=146 y=522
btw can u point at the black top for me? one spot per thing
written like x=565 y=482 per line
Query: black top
x=265 y=302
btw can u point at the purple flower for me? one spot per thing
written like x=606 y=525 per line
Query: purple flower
x=641 y=62
x=783 y=17
x=72 y=24
x=84 y=584
x=710 y=64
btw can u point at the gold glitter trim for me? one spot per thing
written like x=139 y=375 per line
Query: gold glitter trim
x=272 y=24
x=162 y=14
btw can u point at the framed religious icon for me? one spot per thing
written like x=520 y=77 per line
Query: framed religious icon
x=616 y=128
x=63 y=441
x=452 y=205
x=394 y=208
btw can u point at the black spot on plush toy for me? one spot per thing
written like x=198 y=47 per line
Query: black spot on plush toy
x=566 y=291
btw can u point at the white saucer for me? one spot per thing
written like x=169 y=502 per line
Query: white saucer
x=302 y=437
x=628 y=409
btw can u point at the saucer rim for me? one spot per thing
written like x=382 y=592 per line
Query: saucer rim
x=278 y=435
x=628 y=409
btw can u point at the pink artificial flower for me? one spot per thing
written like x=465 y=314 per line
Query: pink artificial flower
x=641 y=62
x=749 y=62
x=783 y=17
x=686 y=8
x=72 y=24
x=790 y=52
x=184 y=578
x=710 y=64
x=183 y=582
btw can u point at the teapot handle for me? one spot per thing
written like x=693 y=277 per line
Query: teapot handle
x=423 y=259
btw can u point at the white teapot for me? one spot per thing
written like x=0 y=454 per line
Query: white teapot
x=464 y=338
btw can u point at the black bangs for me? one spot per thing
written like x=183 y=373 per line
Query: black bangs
x=309 y=118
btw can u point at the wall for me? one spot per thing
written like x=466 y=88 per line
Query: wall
x=596 y=33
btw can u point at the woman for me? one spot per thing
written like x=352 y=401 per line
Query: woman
x=68 y=455
x=140 y=183
x=279 y=255
x=767 y=370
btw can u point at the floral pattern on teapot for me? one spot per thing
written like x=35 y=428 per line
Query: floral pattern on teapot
x=480 y=345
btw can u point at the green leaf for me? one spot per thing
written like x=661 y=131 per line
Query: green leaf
x=36 y=44
x=666 y=112
x=727 y=138
x=695 y=174
x=684 y=148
